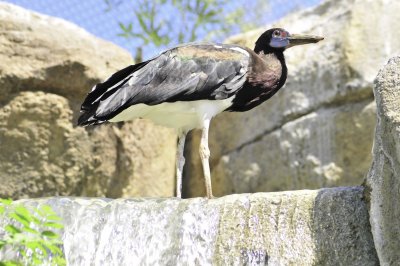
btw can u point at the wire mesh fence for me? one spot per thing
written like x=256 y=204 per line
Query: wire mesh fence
x=104 y=18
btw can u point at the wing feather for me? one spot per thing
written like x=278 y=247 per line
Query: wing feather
x=186 y=73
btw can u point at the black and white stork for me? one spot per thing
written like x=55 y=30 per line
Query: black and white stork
x=186 y=86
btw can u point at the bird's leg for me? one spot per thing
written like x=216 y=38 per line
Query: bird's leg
x=180 y=162
x=205 y=155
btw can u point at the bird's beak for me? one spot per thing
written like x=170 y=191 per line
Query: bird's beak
x=299 y=39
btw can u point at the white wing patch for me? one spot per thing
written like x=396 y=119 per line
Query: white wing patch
x=240 y=50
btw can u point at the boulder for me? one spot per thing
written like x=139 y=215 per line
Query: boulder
x=317 y=131
x=47 y=66
x=383 y=179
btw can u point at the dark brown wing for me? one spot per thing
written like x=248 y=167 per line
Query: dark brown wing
x=186 y=73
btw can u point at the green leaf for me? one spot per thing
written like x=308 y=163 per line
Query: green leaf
x=50 y=234
x=23 y=252
x=122 y=26
x=37 y=245
x=59 y=260
x=53 y=218
x=55 y=249
x=29 y=230
x=12 y=229
x=2 y=243
x=23 y=211
x=47 y=210
x=37 y=261
x=20 y=218
x=6 y=201
x=33 y=245
x=157 y=40
x=144 y=39
x=53 y=225
x=142 y=24
x=210 y=15
x=10 y=263
x=36 y=220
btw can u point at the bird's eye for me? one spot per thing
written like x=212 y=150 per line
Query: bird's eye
x=277 y=33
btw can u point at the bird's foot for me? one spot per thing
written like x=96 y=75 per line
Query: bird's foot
x=211 y=197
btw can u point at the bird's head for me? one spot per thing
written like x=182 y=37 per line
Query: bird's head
x=278 y=39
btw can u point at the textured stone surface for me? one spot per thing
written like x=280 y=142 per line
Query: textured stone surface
x=320 y=227
x=299 y=154
x=41 y=153
x=43 y=53
x=383 y=180
x=335 y=75
x=309 y=227
x=47 y=66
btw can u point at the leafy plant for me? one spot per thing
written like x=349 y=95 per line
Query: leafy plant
x=182 y=23
x=31 y=235
x=158 y=23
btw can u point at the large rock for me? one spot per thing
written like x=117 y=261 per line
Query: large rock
x=310 y=227
x=383 y=180
x=47 y=66
x=317 y=130
x=299 y=154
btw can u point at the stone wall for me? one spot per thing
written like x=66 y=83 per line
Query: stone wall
x=317 y=131
x=308 y=227
x=47 y=66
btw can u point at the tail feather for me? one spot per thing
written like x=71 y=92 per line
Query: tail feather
x=87 y=118
x=101 y=88
x=92 y=100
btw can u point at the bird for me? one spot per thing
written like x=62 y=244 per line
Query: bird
x=186 y=86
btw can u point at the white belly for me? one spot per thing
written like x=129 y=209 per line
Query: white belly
x=179 y=115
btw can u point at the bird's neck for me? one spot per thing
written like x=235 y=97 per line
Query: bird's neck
x=272 y=57
x=266 y=76
x=274 y=63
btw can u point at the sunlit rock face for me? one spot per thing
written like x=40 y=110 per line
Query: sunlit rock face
x=317 y=131
x=321 y=227
x=47 y=67
x=383 y=180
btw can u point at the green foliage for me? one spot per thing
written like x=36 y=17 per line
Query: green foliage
x=159 y=23
x=156 y=27
x=30 y=234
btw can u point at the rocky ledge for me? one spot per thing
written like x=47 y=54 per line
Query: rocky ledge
x=308 y=227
